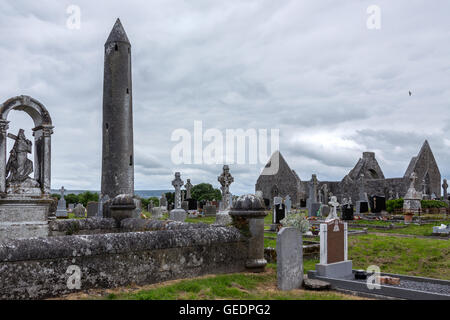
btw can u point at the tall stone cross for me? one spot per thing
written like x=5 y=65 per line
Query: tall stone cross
x=333 y=213
x=445 y=187
x=226 y=179
x=362 y=193
x=313 y=188
x=177 y=184
x=188 y=187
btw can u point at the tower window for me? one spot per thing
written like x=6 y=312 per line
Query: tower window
x=128 y=91
x=116 y=47
x=131 y=160
x=107 y=126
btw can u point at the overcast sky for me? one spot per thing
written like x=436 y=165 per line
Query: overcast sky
x=311 y=69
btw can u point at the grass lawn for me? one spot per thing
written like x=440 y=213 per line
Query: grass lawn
x=242 y=286
x=411 y=256
x=412 y=229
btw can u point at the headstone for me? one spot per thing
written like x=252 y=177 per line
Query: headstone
x=209 y=210
x=188 y=187
x=280 y=213
x=312 y=203
x=71 y=207
x=325 y=211
x=177 y=183
x=289 y=259
x=150 y=206
x=277 y=201
x=157 y=212
x=362 y=206
x=347 y=212
x=61 y=211
x=288 y=204
x=377 y=204
x=185 y=205
x=412 y=200
x=192 y=204
x=92 y=209
x=445 y=187
x=79 y=211
x=333 y=213
x=226 y=179
x=138 y=208
x=178 y=215
x=334 y=261
x=163 y=201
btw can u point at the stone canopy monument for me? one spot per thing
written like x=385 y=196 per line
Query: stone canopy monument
x=25 y=201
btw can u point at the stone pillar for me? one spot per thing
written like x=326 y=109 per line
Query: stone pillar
x=248 y=214
x=47 y=132
x=3 y=132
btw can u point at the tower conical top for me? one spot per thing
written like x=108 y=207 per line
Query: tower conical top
x=118 y=33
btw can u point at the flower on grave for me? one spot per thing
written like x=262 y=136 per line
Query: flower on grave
x=298 y=221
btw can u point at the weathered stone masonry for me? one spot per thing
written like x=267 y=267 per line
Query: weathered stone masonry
x=36 y=268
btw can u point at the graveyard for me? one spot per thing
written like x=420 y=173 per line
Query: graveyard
x=217 y=231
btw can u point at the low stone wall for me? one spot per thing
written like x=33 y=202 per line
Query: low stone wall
x=82 y=226
x=46 y=267
x=107 y=225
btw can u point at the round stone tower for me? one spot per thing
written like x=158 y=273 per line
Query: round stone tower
x=118 y=155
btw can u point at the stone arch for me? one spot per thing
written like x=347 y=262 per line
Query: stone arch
x=42 y=139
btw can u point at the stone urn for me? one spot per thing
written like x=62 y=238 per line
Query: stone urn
x=122 y=207
x=248 y=213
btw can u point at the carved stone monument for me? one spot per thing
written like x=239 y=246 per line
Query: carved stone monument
x=412 y=200
x=61 y=211
x=225 y=179
x=312 y=203
x=178 y=214
x=188 y=187
x=25 y=201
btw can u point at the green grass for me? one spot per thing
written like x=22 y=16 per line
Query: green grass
x=411 y=256
x=230 y=287
x=208 y=220
x=412 y=229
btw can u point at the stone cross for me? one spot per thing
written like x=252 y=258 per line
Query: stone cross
x=313 y=188
x=333 y=213
x=188 y=187
x=325 y=193
x=62 y=190
x=226 y=179
x=445 y=187
x=177 y=184
x=362 y=193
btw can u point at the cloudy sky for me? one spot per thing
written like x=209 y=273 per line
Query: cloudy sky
x=311 y=69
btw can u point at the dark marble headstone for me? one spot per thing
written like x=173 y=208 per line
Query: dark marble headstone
x=377 y=204
x=347 y=213
x=280 y=213
x=192 y=204
x=362 y=207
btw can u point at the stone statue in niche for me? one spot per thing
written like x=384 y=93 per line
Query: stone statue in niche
x=19 y=167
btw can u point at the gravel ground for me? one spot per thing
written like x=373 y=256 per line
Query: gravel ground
x=421 y=286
